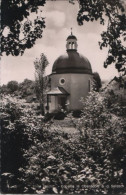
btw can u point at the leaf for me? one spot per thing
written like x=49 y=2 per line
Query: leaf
x=61 y=191
x=51 y=157
x=55 y=190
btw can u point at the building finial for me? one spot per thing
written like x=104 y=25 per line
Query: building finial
x=71 y=31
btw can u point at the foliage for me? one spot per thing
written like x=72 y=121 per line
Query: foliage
x=116 y=91
x=25 y=90
x=19 y=122
x=92 y=160
x=12 y=142
x=4 y=89
x=12 y=85
x=60 y=115
x=97 y=81
x=91 y=163
x=100 y=110
x=104 y=136
x=41 y=80
x=76 y=113
x=115 y=35
x=19 y=32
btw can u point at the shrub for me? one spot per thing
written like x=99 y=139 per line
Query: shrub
x=97 y=81
x=52 y=161
x=49 y=116
x=61 y=164
x=77 y=113
x=12 y=86
x=60 y=116
x=12 y=141
x=103 y=133
x=20 y=126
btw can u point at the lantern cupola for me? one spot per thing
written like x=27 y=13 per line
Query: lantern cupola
x=71 y=42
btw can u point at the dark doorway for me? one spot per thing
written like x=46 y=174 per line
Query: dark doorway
x=62 y=102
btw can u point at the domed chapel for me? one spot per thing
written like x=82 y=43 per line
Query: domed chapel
x=70 y=79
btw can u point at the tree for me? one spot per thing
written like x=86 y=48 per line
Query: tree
x=12 y=85
x=41 y=80
x=20 y=127
x=14 y=13
x=115 y=35
x=102 y=129
x=18 y=31
x=97 y=81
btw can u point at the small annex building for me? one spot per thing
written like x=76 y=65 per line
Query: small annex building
x=70 y=79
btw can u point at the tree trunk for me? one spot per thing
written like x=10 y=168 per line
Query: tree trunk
x=42 y=108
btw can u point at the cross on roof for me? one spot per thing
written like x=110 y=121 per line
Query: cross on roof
x=71 y=31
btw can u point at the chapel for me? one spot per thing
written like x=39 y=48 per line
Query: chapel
x=70 y=79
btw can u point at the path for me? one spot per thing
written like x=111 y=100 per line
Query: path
x=65 y=125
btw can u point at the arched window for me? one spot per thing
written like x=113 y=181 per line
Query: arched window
x=73 y=45
x=89 y=85
x=69 y=45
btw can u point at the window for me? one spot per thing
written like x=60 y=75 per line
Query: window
x=73 y=47
x=62 y=81
x=69 y=45
x=89 y=85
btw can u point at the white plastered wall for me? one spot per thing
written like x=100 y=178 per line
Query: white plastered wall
x=77 y=85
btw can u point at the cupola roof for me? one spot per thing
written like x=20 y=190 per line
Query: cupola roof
x=71 y=37
x=72 y=61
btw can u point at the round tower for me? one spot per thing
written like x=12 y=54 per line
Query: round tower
x=70 y=79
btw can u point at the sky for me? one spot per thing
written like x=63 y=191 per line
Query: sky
x=60 y=17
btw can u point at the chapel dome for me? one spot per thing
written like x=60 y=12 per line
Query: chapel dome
x=72 y=62
x=71 y=37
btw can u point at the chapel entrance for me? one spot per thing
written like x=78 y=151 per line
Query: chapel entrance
x=58 y=99
x=62 y=101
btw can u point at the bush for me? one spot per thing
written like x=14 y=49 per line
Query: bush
x=61 y=164
x=97 y=81
x=77 y=113
x=49 y=116
x=52 y=161
x=60 y=116
x=12 y=141
x=20 y=126
x=12 y=86
x=104 y=135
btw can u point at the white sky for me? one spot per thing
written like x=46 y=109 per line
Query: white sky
x=60 y=17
